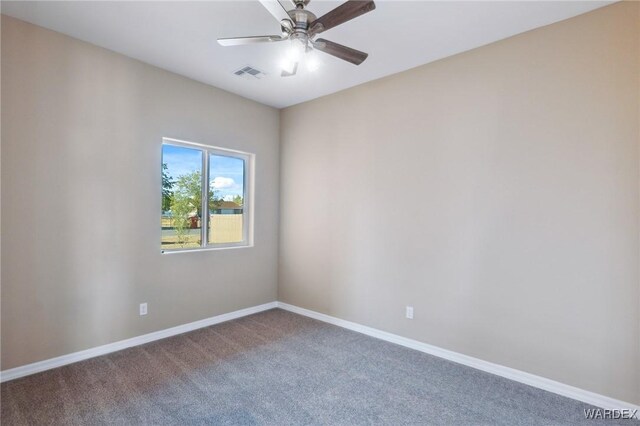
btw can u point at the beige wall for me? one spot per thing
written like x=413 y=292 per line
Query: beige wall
x=81 y=145
x=496 y=191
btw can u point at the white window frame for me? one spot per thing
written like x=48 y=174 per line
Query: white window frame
x=247 y=196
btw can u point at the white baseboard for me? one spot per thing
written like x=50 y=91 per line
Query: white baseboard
x=48 y=364
x=489 y=367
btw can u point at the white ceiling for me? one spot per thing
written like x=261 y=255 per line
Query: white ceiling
x=181 y=37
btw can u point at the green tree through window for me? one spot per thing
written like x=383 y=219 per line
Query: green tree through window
x=185 y=173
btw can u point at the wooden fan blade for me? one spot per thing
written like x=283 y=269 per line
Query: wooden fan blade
x=339 y=51
x=341 y=14
x=239 y=41
x=275 y=8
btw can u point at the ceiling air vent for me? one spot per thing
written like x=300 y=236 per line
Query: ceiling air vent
x=249 y=72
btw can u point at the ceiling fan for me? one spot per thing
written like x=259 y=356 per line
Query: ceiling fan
x=300 y=27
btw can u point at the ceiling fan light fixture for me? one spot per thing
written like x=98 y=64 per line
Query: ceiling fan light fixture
x=296 y=49
x=286 y=26
x=300 y=27
x=312 y=62
x=288 y=65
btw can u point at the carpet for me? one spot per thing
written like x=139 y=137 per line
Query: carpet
x=278 y=368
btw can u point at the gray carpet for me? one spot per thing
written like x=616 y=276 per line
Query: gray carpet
x=278 y=368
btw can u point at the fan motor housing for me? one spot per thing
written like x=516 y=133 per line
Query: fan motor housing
x=301 y=18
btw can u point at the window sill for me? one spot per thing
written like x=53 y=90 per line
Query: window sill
x=215 y=248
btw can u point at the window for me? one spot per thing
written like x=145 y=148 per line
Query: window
x=205 y=201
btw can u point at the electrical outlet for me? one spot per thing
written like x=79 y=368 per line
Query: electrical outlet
x=410 y=312
x=143 y=309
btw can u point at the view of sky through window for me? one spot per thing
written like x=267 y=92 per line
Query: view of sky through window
x=226 y=177
x=182 y=207
x=227 y=173
x=180 y=160
x=181 y=197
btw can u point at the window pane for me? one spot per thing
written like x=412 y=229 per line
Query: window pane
x=181 y=197
x=226 y=199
